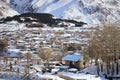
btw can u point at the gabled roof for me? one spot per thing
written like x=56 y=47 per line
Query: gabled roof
x=72 y=57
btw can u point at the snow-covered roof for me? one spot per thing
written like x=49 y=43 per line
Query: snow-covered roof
x=11 y=54
x=15 y=50
x=72 y=57
x=35 y=56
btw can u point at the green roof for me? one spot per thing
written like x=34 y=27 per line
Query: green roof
x=35 y=52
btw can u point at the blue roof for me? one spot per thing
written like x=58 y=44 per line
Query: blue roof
x=72 y=57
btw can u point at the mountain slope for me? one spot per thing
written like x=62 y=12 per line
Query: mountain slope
x=90 y=11
x=5 y=10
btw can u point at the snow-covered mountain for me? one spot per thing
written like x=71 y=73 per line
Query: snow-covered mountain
x=5 y=10
x=90 y=11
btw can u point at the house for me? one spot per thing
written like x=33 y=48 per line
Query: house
x=35 y=58
x=11 y=54
x=73 y=60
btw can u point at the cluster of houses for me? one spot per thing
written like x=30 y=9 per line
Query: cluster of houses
x=52 y=40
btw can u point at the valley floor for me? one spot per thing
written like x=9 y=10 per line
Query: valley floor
x=85 y=74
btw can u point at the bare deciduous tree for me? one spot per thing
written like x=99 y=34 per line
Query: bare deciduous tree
x=105 y=46
x=28 y=57
x=45 y=54
x=3 y=44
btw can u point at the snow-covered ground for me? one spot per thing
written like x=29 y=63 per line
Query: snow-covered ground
x=37 y=76
x=88 y=73
x=49 y=76
x=82 y=76
x=12 y=26
x=6 y=75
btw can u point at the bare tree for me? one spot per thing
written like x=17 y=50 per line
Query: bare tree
x=28 y=57
x=105 y=47
x=3 y=44
x=45 y=55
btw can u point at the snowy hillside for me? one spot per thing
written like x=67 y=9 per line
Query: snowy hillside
x=5 y=10
x=90 y=11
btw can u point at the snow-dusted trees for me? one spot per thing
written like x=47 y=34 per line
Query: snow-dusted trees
x=105 y=48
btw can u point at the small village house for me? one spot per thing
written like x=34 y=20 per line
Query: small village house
x=73 y=60
x=35 y=58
